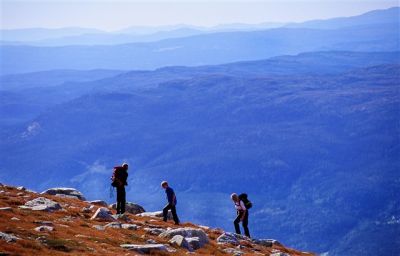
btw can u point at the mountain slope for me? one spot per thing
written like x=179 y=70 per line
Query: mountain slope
x=305 y=147
x=71 y=230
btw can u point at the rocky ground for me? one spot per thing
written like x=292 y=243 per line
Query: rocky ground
x=59 y=221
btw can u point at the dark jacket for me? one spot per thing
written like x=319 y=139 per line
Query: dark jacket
x=171 y=196
x=121 y=176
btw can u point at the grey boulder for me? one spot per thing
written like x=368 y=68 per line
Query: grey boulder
x=41 y=204
x=187 y=233
x=179 y=241
x=103 y=214
x=228 y=238
x=99 y=203
x=131 y=208
x=65 y=192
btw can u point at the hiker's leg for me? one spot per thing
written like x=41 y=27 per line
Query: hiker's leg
x=245 y=224
x=123 y=199
x=236 y=223
x=174 y=215
x=165 y=211
x=118 y=200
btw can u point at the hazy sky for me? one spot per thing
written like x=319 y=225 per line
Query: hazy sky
x=117 y=14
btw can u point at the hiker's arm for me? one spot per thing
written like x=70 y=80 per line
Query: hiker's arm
x=243 y=207
x=170 y=196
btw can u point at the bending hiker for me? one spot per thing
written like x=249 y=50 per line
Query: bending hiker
x=242 y=214
x=119 y=180
x=171 y=197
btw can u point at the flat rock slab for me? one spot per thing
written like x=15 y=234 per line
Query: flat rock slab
x=158 y=214
x=41 y=204
x=144 y=248
x=9 y=238
x=8 y=209
x=67 y=192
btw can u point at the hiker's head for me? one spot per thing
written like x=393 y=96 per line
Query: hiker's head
x=235 y=197
x=164 y=184
x=125 y=166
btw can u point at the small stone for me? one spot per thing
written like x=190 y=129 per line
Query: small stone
x=233 y=251
x=20 y=194
x=86 y=210
x=98 y=203
x=151 y=241
x=144 y=248
x=99 y=227
x=15 y=219
x=43 y=222
x=8 y=209
x=129 y=226
x=44 y=228
x=154 y=231
x=9 y=238
x=81 y=236
x=113 y=225
x=21 y=188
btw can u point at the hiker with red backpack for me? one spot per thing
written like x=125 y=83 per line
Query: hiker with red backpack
x=119 y=181
x=242 y=206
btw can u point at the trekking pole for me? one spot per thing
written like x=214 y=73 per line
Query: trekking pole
x=111 y=192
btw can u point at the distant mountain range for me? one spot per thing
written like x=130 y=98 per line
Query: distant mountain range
x=207 y=49
x=87 y=36
x=316 y=147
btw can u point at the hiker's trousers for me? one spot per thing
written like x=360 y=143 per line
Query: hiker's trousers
x=245 y=222
x=173 y=211
x=121 y=199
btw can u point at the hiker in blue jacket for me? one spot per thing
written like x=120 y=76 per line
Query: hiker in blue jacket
x=171 y=197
